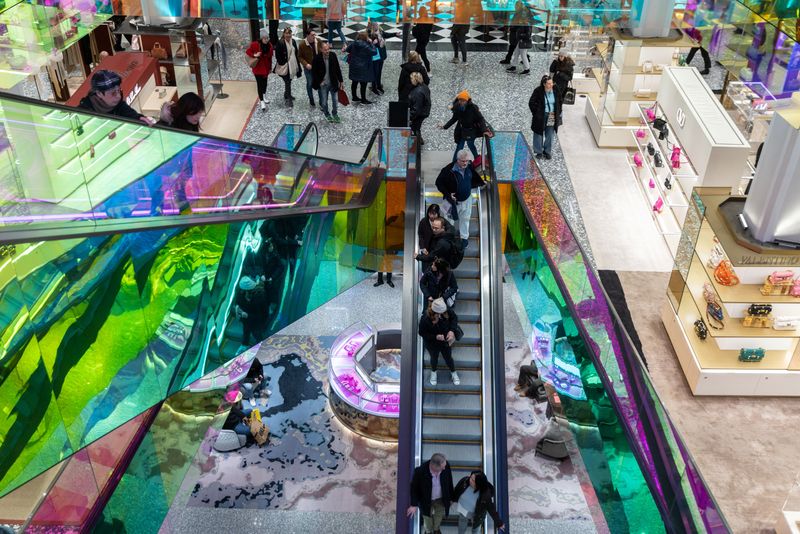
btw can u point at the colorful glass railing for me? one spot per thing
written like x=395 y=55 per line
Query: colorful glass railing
x=65 y=172
x=648 y=464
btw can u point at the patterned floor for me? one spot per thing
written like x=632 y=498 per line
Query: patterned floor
x=312 y=462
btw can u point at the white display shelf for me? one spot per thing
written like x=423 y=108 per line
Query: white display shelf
x=665 y=221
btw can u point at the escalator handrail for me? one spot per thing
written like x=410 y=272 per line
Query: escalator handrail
x=494 y=379
x=411 y=364
x=311 y=126
x=45 y=231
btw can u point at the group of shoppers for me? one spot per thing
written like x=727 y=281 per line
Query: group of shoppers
x=433 y=494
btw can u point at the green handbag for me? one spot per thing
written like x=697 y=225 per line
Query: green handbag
x=751 y=355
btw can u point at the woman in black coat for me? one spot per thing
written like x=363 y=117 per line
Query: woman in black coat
x=469 y=124
x=545 y=106
x=437 y=328
x=561 y=69
x=419 y=104
x=464 y=493
x=439 y=282
x=414 y=64
x=359 y=58
x=287 y=64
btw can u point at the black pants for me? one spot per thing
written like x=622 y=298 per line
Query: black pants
x=703 y=52
x=255 y=329
x=287 y=87
x=458 y=38
x=360 y=85
x=434 y=349
x=512 y=44
x=416 y=126
x=377 y=74
x=422 y=50
x=261 y=85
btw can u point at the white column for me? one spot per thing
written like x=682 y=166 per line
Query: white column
x=651 y=18
x=772 y=209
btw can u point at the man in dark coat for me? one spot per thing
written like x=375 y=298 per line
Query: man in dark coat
x=105 y=97
x=442 y=245
x=432 y=492
x=456 y=183
x=327 y=80
x=425 y=228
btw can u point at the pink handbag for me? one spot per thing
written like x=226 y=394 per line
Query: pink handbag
x=652 y=184
x=640 y=133
x=795 y=290
x=675 y=158
x=637 y=159
x=779 y=277
x=659 y=205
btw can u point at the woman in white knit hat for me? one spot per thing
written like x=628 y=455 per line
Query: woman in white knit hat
x=437 y=327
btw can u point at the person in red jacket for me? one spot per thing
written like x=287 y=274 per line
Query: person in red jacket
x=260 y=60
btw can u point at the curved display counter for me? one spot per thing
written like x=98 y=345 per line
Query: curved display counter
x=364 y=401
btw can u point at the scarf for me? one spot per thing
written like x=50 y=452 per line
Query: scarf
x=99 y=106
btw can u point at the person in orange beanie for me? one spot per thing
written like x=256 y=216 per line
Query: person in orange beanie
x=469 y=123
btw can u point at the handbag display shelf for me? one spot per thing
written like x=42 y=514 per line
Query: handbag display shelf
x=751 y=320
x=681 y=180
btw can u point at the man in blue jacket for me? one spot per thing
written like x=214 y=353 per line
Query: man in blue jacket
x=455 y=182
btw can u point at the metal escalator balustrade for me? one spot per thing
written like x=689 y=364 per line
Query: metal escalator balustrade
x=72 y=173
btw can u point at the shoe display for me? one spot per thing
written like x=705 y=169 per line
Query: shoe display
x=456 y=379
x=433 y=378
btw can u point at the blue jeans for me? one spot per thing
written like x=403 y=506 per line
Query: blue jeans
x=323 y=92
x=242 y=428
x=470 y=143
x=335 y=25
x=309 y=80
x=546 y=147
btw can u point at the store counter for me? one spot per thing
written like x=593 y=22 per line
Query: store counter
x=363 y=393
x=139 y=73
x=160 y=96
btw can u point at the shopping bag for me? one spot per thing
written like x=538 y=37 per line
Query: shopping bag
x=342 y=96
x=259 y=430
x=569 y=96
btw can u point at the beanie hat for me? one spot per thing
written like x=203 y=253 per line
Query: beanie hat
x=247 y=283
x=463 y=95
x=438 y=306
x=103 y=80
x=263 y=32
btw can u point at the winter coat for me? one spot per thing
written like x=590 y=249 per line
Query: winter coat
x=433 y=286
x=536 y=105
x=120 y=110
x=360 y=61
x=264 y=65
x=419 y=102
x=484 y=505
x=428 y=331
x=308 y=53
x=562 y=72
x=422 y=33
x=447 y=182
x=524 y=39
x=469 y=122
x=425 y=232
x=282 y=55
x=318 y=71
x=441 y=246
x=404 y=85
x=422 y=486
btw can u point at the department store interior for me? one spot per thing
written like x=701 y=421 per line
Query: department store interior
x=400 y=266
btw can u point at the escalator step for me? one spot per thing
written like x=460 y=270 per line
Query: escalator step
x=461 y=454
x=468 y=404
x=469 y=288
x=472 y=333
x=470 y=380
x=474 y=248
x=441 y=428
x=468 y=309
x=465 y=357
x=468 y=268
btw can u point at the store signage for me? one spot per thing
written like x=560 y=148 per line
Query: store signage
x=769 y=260
x=134 y=93
x=681 y=116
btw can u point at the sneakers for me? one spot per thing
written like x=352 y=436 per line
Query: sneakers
x=455 y=60
x=433 y=378
x=704 y=72
x=547 y=155
x=263 y=105
x=456 y=379
x=365 y=101
x=511 y=69
x=328 y=118
x=464 y=243
x=465 y=63
x=505 y=62
x=526 y=71
x=312 y=104
x=336 y=119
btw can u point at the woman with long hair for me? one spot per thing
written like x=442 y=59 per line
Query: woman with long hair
x=185 y=114
x=545 y=106
x=437 y=328
x=260 y=59
x=360 y=54
x=475 y=497
x=288 y=64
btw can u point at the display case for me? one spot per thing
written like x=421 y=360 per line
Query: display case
x=750 y=104
x=789 y=520
x=362 y=396
x=753 y=349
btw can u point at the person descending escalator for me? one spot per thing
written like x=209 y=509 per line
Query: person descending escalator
x=251 y=305
x=425 y=228
x=475 y=497
x=442 y=245
x=439 y=282
x=438 y=327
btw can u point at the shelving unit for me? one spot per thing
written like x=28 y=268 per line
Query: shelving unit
x=750 y=106
x=711 y=366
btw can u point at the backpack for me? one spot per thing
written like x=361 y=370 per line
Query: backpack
x=456 y=253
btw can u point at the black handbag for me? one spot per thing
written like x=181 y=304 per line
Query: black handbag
x=569 y=95
x=651 y=149
x=759 y=310
x=668 y=183
x=458 y=332
x=657 y=160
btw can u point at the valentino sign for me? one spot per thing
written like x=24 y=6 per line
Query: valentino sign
x=681 y=117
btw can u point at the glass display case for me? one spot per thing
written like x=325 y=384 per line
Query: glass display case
x=751 y=106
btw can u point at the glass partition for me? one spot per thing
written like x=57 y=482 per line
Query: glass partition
x=95 y=172
x=659 y=475
x=288 y=136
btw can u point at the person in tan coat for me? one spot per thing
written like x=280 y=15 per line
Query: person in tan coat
x=310 y=47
